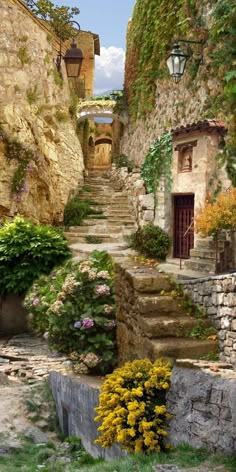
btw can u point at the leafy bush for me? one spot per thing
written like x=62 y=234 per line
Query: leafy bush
x=77 y=210
x=152 y=241
x=75 y=305
x=217 y=216
x=122 y=161
x=132 y=406
x=28 y=250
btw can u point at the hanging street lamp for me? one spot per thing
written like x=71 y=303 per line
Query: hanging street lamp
x=73 y=58
x=177 y=59
x=176 y=62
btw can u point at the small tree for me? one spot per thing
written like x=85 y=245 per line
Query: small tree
x=220 y=215
x=58 y=17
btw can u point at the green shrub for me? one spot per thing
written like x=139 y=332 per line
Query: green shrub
x=77 y=210
x=91 y=239
x=61 y=116
x=28 y=250
x=32 y=95
x=122 y=161
x=151 y=241
x=75 y=305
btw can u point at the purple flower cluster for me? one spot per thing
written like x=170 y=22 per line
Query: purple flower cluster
x=77 y=324
x=86 y=323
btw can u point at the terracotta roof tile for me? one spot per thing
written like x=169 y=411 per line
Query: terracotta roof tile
x=199 y=125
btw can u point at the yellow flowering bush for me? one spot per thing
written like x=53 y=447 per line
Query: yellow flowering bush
x=214 y=217
x=132 y=406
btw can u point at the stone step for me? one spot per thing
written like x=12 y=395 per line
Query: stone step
x=81 y=250
x=113 y=219
x=203 y=253
x=94 y=222
x=208 y=243
x=182 y=348
x=151 y=282
x=104 y=238
x=200 y=265
x=94 y=229
x=166 y=326
x=158 y=305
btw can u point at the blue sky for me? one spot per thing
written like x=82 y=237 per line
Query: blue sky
x=109 y=19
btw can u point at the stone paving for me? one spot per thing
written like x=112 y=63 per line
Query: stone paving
x=28 y=359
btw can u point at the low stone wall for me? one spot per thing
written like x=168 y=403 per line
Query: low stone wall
x=217 y=294
x=204 y=407
x=12 y=315
x=141 y=204
x=203 y=404
x=75 y=400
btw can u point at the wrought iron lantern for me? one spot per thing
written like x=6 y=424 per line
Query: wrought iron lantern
x=176 y=62
x=73 y=58
x=177 y=59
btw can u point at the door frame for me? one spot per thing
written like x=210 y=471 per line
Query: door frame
x=173 y=205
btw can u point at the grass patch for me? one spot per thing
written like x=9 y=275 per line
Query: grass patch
x=32 y=95
x=77 y=210
x=90 y=239
x=183 y=456
x=86 y=188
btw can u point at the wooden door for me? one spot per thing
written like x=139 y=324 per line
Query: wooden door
x=183 y=216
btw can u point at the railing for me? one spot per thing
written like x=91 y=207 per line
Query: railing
x=181 y=238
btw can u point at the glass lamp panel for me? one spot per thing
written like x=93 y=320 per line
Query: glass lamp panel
x=73 y=67
x=170 y=64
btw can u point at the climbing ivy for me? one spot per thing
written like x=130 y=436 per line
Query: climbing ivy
x=24 y=157
x=223 y=44
x=150 y=34
x=157 y=165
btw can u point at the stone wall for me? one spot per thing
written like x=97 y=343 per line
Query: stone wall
x=203 y=404
x=141 y=204
x=218 y=296
x=204 y=407
x=34 y=110
x=75 y=400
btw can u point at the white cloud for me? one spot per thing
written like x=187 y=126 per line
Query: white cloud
x=109 y=69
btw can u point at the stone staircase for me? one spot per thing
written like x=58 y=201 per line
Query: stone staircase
x=203 y=256
x=152 y=321
x=111 y=226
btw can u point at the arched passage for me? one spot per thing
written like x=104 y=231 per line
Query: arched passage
x=103 y=153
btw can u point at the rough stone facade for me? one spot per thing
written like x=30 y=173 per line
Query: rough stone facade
x=34 y=110
x=141 y=204
x=203 y=404
x=75 y=400
x=204 y=407
x=218 y=296
x=151 y=318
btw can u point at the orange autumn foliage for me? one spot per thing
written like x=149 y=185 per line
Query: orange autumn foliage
x=217 y=216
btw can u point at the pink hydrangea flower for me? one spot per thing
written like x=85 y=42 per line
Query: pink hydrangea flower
x=87 y=323
x=102 y=290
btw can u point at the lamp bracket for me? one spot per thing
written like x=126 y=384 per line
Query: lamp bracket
x=187 y=42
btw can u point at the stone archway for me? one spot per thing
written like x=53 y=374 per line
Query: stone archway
x=100 y=109
x=103 y=153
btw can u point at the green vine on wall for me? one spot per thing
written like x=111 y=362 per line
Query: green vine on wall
x=150 y=34
x=24 y=156
x=157 y=165
x=223 y=44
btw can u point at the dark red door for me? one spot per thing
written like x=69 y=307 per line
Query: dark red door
x=183 y=217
